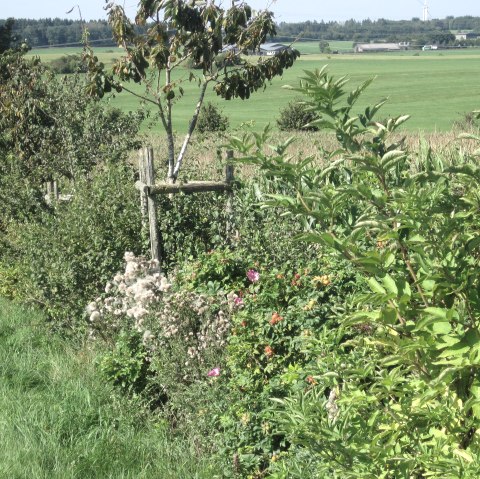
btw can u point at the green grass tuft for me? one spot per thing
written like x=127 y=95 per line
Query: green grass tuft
x=59 y=420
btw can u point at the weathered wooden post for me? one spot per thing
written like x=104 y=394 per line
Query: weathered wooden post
x=149 y=181
x=229 y=176
x=52 y=194
x=55 y=190
x=48 y=196
x=143 y=194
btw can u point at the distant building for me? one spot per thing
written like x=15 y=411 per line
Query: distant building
x=466 y=36
x=271 y=49
x=230 y=49
x=377 y=47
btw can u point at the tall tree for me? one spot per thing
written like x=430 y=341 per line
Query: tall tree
x=6 y=38
x=181 y=32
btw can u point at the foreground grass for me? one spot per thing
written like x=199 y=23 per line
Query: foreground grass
x=58 y=420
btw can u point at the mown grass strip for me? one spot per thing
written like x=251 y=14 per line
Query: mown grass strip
x=59 y=420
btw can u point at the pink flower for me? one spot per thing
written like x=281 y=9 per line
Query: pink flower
x=238 y=301
x=214 y=373
x=253 y=275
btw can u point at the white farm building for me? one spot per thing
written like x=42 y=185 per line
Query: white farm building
x=377 y=47
x=271 y=49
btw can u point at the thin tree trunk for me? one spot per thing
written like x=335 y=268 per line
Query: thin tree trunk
x=170 y=138
x=191 y=129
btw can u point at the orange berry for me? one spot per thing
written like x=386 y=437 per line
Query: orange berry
x=276 y=318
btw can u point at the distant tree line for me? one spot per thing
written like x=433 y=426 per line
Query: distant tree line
x=414 y=30
x=57 y=31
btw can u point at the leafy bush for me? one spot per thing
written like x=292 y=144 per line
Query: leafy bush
x=52 y=128
x=68 y=64
x=66 y=255
x=211 y=119
x=265 y=358
x=396 y=386
x=296 y=116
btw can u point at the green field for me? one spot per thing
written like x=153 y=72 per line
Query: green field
x=311 y=47
x=435 y=88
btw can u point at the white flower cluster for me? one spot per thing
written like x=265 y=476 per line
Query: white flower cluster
x=199 y=321
x=143 y=299
x=131 y=295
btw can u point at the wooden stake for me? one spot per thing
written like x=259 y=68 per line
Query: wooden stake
x=147 y=154
x=143 y=193
x=229 y=174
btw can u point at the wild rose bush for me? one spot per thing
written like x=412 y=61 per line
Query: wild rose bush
x=278 y=308
x=395 y=392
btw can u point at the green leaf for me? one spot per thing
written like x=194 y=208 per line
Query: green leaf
x=388 y=316
x=441 y=328
x=390 y=285
x=376 y=287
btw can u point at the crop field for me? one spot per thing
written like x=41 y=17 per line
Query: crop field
x=436 y=88
x=311 y=47
x=105 y=55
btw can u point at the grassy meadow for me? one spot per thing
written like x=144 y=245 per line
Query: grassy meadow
x=436 y=88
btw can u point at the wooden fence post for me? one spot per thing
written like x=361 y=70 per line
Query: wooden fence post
x=52 y=192
x=149 y=190
x=229 y=175
x=55 y=190
x=143 y=195
x=149 y=172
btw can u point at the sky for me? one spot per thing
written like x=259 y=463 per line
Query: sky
x=285 y=10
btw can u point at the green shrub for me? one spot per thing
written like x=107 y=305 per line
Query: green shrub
x=65 y=256
x=68 y=64
x=51 y=127
x=126 y=365
x=396 y=385
x=296 y=116
x=265 y=358
x=211 y=119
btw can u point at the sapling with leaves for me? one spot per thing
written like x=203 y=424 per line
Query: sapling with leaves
x=180 y=32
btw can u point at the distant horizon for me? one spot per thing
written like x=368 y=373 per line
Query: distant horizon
x=284 y=10
x=277 y=21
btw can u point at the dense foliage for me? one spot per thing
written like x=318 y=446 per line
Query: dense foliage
x=211 y=119
x=67 y=64
x=51 y=130
x=6 y=35
x=296 y=116
x=396 y=385
x=51 y=126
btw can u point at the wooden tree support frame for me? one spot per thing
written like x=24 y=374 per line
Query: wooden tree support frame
x=52 y=194
x=149 y=189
